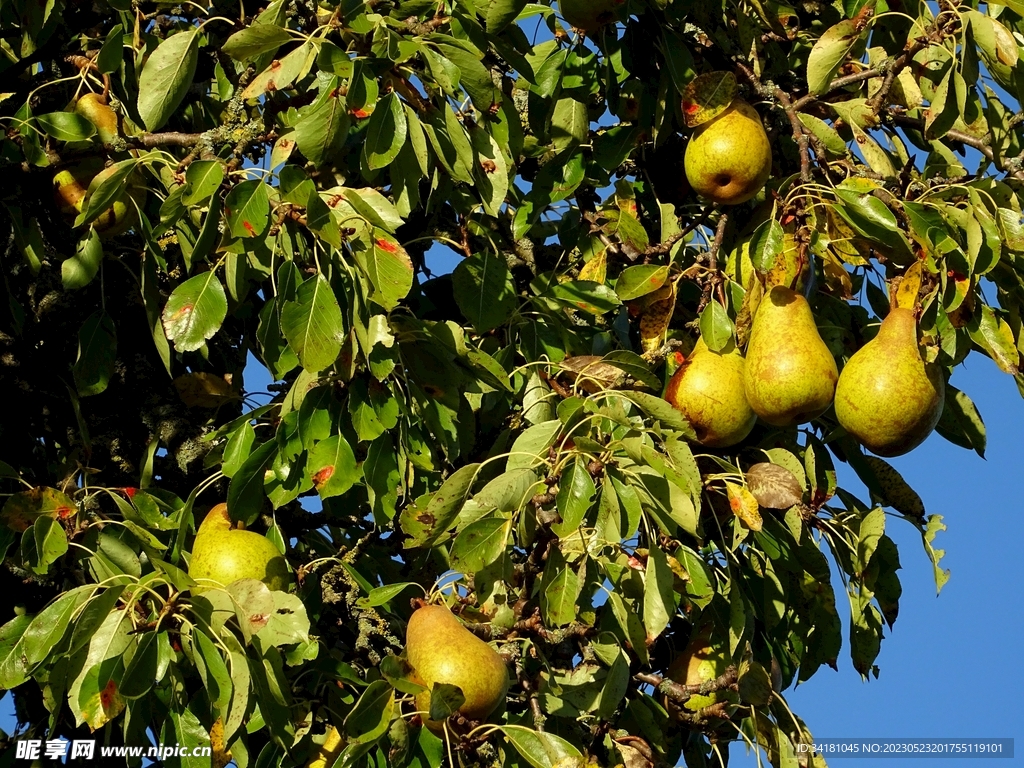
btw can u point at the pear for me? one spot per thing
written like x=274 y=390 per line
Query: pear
x=706 y=658
x=708 y=390
x=94 y=108
x=790 y=375
x=729 y=158
x=589 y=15
x=888 y=397
x=222 y=554
x=441 y=650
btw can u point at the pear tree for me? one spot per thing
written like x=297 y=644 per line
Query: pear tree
x=514 y=347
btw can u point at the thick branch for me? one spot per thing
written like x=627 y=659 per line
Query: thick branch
x=169 y=139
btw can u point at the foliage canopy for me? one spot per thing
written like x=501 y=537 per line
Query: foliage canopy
x=258 y=185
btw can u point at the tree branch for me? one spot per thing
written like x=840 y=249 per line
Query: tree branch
x=681 y=693
x=169 y=139
x=966 y=139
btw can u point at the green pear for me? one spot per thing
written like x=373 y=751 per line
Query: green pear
x=441 y=650
x=790 y=376
x=706 y=658
x=222 y=554
x=708 y=390
x=729 y=158
x=589 y=15
x=888 y=397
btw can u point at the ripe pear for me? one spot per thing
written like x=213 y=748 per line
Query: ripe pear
x=708 y=390
x=790 y=376
x=222 y=554
x=441 y=650
x=705 y=659
x=589 y=15
x=888 y=397
x=729 y=158
x=94 y=108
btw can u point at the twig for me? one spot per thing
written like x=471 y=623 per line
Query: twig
x=665 y=247
x=680 y=692
x=967 y=140
x=169 y=139
x=723 y=221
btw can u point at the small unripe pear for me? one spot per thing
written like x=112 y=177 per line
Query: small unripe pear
x=589 y=15
x=729 y=158
x=888 y=398
x=708 y=390
x=222 y=554
x=790 y=375
x=441 y=650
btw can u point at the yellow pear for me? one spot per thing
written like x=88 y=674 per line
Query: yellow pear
x=708 y=390
x=729 y=159
x=790 y=375
x=888 y=397
x=94 y=108
x=440 y=650
x=705 y=659
x=589 y=15
x=222 y=554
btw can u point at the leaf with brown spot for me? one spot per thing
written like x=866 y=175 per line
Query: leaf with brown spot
x=897 y=492
x=596 y=270
x=707 y=96
x=909 y=286
x=591 y=373
x=23 y=509
x=744 y=506
x=773 y=486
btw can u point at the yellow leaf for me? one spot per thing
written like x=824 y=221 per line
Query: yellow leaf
x=655 y=319
x=221 y=756
x=909 y=287
x=744 y=506
x=596 y=270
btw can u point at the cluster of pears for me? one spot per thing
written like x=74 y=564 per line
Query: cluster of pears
x=440 y=650
x=887 y=397
x=787 y=377
x=729 y=158
x=223 y=553
x=590 y=15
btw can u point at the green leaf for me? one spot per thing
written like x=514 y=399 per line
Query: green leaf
x=531 y=447
x=279 y=75
x=105 y=188
x=385 y=133
x=202 y=179
x=640 y=280
x=247 y=208
x=828 y=54
x=13 y=669
x=662 y=411
x=560 y=597
x=79 y=270
x=928 y=533
x=369 y=718
x=166 y=76
x=716 y=327
x=50 y=543
x=576 y=492
x=383 y=595
x=961 y=423
x=766 y=245
x=321 y=131
x=445 y=700
x=332 y=467
x=97 y=350
x=141 y=672
x=994 y=335
x=590 y=297
x=255 y=40
x=483 y=289
x=389 y=268
x=541 y=749
x=237 y=449
x=446 y=502
x=659 y=595
x=195 y=311
x=313 y=325
x=498 y=14
x=245 y=492
x=570 y=123
x=480 y=543
x=66 y=126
